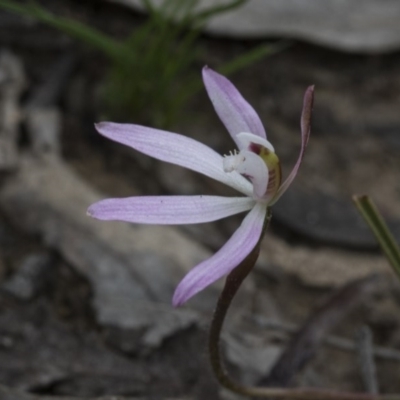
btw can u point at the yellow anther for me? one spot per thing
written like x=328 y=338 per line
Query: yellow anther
x=274 y=168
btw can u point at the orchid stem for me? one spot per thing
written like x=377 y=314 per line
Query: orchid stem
x=232 y=285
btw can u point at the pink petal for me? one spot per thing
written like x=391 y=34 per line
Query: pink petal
x=226 y=259
x=305 y=124
x=175 y=149
x=233 y=110
x=169 y=210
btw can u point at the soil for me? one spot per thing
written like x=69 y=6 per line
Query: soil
x=354 y=148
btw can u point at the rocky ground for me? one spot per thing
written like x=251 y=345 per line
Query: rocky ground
x=85 y=305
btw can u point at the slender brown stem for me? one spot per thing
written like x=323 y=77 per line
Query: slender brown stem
x=233 y=282
x=232 y=285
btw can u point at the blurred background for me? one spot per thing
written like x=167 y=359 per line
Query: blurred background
x=85 y=305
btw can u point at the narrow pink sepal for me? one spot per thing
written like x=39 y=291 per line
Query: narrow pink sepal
x=234 y=111
x=169 y=210
x=176 y=149
x=305 y=124
x=234 y=251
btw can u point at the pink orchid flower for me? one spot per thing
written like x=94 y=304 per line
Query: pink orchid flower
x=253 y=171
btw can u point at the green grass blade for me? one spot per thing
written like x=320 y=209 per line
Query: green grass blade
x=75 y=29
x=148 y=5
x=253 y=55
x=374 y=219
x=203 y=16
x=242 y=61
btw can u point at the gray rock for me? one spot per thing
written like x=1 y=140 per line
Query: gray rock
x=133 y=270
x=351 y=25
x=12 y=83
x=328 y=220
x=254 y=361
x=29 y=278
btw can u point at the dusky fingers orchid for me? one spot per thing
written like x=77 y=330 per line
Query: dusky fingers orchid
x=253 y=171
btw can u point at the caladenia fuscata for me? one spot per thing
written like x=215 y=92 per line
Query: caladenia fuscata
x=253 y=169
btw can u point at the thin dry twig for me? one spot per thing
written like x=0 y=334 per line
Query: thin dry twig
x=380 y=352
x=305 y=343
x=364 y=344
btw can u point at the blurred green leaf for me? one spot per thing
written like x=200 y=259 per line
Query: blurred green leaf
x=374 y=219
x=75 y=29
x=150 y=79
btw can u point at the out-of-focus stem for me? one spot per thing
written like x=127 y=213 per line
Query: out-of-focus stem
x=374 y=219
x=232 y=284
